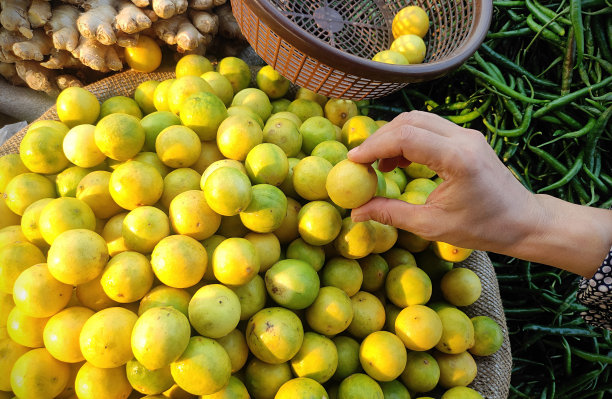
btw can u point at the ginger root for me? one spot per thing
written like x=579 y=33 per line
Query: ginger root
x=65 y=81
x=141 y=3
x=7 y=39
x=168 y=8
x=39 y=13
x=9 y=72
x=180 y=31
x=62 y=27
x=60 y=59
x=207 y=23
x=205 y=5
x=37 y=77
x=34 y=49
x=14 y=16
x=131 y=19
x=228 y=27
x=98 y=21
x=97 y=56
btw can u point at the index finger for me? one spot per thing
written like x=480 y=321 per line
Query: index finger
x=412 y=143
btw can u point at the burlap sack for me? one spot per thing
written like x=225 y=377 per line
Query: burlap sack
x=493 y=379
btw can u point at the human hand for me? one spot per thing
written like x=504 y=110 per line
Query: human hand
x=479 y=204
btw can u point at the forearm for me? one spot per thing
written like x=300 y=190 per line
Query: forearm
x=572 y=237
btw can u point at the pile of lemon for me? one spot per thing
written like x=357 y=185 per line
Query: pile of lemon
x=195 y=240
x=409 y=27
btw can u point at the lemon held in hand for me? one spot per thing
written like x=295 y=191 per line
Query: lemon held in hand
x=350 y=184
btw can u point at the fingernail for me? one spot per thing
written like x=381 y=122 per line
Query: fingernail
x=353 y=151
x=356 y=217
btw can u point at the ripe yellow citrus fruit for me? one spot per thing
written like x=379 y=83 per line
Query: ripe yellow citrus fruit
x=280 y=105
x=309 y=177
x=183 y=88
x=92 y=295
x=10 y=166
x=368 y=315
x=348 y=357
x=154 y=123
x=76 y=106
x=407 y=285
x=383 y=356
x=160 y=95
x=61 y=333
x=342 y=273
x=461 y=286
x=77 y=256
x=410 y=46
x=63 y=214
x=80 y=148
x=16 y=257
x=149 y=382
x=360 y=385
x=150 y=158
x=235 y=261
x=25 y=189
x=351 y=184
x=312 y=254
x=288 y=230
x=120 y=105
x=190 y=215
x=272 y=82
x=236 y=71
x=119 y=136
x=192 y=65
x=422 y=372
x=236 y=347
x=135 y=184
x=287 y=185
x=268 y=248
x=127 y=277
x=162 y=296
x=356 y=130
x=285 y=134
x=461 y=393
x=254 y=99
x=145 y=56
x=209 y=154
x=25 y=330
x=374 y=269
x=235 y=389
x=227 y=191
x=266 y=211
x=237 y=135
x=243 y=110
x=36 y=374
x=333 y=151
x=302 y=387
x=286 y=115
x=292 y=283
x=315 y=130
x=457 y=331
x=144 y=227
x=306 y=94
x=451 y=253
x=203 y=368
x=356 y=240
x=419 y=327
x=221 y=86
x=331 y=312
x=267 y=163
x=179 y=181
x=178 y=146
x=11 y=352
x=455 y=369
x=42 y=152
x=305 y=109
x=410 y=20
x=38 y=294
x=93 y=190
x=214 y=311
x=338 y=111
x=252 y=297
x=179 y=261
x=203 y=113
x=143 y=95
x=160 y=336
x=105 y=337
x=263 y=380
x=274 y=335
x=390 y=57
x=92 y=382
x=66 y=181
x=319 y=223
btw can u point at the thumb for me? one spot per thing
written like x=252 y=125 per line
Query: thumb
x=393 y=212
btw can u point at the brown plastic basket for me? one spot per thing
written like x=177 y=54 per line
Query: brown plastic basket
x=327 y=45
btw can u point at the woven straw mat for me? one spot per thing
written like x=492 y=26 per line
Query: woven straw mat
x=493 y=378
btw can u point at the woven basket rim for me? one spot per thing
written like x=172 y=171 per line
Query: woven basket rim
x=349 y=63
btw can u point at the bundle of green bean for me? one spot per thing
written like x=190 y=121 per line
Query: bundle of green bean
x=539 y=88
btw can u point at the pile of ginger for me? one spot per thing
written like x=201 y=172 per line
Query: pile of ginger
x=53 y=44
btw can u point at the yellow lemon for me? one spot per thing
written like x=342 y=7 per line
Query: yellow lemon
x=10 y=166
x=93 y=190
x=11 y=351
x=410 y=20
x=37 y=374
x=209 y=154
x=383 y=356
x=488 y=336
x=356 y=130
x=351 y=184
x=406 y=285
x=360 y=386
x=272 y=82
x=105 y=337
x=237 y=135
x=92 y=295
x=305 y=109
x=112 y=234
x=38 y=294
x=203 y=113
x=94 y=382
x=143 y=95
x=338 y=111
x=150 y=382
x=29 y=223
x=331 y=312
x=160 y=95
x=274 y=335
x=221 y=86
x=268 y=248
x=76 y=106
x=410 y=46
x=135 y=184
x=144 y=227
x=457 y=331
x=309 y=177
x=183 y=88
x=127 y=277
x=145 y=56
x=25 y=189
x=285 y=134
x=252 y=297
x=41 y=150
x=191 y=215
x=16 y=257
x=214 y=311
x=319 y=223
x=179 y=261
x=25 y=330
x=62 y=331
x=422 y=372
x=345 y=274
x=63 y=214
x=236 y=347
x=80 y=146
x=227 y=191
x=235 y=261
x=236 y=71
x=267 y=163
x=419 y=327
x=390 y=57
x=368 y=315
x=235 y=389
x=179 y=181
x=178 y=146
x=192 y=65
x=120 y=105
x=306 y=94
x=154 y=123
x=263 y=380
x=119 y=136
x=355 y=240
x=164 y=296
x=266 y=210
x=288 y=229
x=461 y=286
x=456 y=369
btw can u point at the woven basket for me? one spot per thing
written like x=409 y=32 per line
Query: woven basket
x=327 y=46
x=493 y=379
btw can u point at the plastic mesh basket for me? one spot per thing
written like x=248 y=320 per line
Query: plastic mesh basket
x=327 y=45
